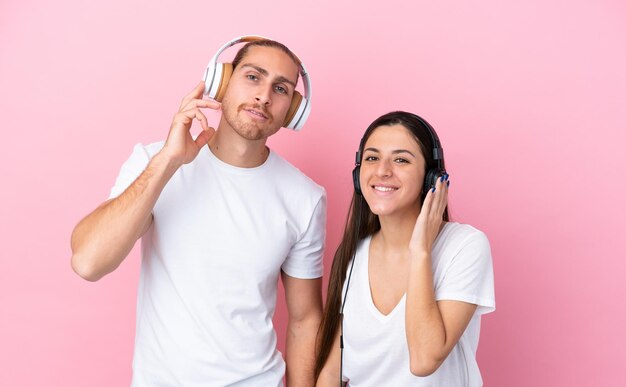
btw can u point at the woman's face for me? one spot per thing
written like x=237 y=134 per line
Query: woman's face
x=392 y=171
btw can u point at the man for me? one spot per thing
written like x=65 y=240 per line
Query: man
x=219 y=224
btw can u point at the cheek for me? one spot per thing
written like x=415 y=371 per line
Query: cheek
x=285 y=100
x=225 y=101
x=281 y=107
x=419 y=182
x=363 y=176
x=234 y=91
x=230 y=104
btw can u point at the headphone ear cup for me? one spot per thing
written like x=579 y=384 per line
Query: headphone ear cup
x=431 y=178
x=209 y=79
x=296 y=103
x=356 y=179
x=216 y=80
x=227 y=72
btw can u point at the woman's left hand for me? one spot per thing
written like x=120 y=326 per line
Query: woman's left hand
x=430 y=218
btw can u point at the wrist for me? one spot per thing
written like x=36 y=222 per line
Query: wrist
x=166 y=163
x=419 y=254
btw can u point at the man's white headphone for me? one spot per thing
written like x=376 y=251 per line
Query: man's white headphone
x=217 y=75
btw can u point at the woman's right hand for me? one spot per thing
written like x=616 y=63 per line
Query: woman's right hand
x=430 y=219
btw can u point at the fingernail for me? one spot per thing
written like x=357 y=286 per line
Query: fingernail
x=447 y=176
x=448 y=183
x=433 y=190
x=442 y=177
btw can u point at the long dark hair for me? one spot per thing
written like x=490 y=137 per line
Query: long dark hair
x=360 y=223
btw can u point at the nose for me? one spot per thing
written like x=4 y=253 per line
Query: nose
x=384 y=168
x=264 y=95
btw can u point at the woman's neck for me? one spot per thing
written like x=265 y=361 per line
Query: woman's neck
x=396 y=231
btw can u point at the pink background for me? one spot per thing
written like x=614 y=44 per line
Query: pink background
x=528 y=99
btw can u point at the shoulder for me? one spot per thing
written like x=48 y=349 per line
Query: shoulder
x=363 y=245
x=134 y=165
x=463 y=242
x=150 y=149
x=143 y=153
x=297 y=181
x=462 y=234
x=363 y=248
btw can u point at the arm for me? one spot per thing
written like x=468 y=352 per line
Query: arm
x=432 y=328
x=102 y=240
x=330 y=374
x=304 y=305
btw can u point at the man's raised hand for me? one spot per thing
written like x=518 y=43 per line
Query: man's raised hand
x=180 y=145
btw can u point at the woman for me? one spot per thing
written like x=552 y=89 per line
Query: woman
x=413 y=295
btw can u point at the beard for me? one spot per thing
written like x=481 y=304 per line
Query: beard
x=247 y=128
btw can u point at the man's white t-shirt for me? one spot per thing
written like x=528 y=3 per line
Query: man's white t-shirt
x=375 y=345
x=210 y=266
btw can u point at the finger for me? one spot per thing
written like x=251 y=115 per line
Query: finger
x=202 y=118
x=447 y=188
x=196 y=93
x=202 y=103
x=439 y=197
x=442 y=198
x=427 y=204
x=187 y=116
x=204 y=137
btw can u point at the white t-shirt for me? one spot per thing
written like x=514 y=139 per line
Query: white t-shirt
x=210 y=267
x=375 y=346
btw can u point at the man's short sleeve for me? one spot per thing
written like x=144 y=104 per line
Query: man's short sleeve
x=131 y=169
x=469 y=275
x=305 y=259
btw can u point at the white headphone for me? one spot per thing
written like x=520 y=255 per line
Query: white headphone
x=217 y=75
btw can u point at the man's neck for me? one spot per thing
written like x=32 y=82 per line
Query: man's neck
x=231 y=148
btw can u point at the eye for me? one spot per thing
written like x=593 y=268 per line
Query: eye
x=280 y=90
x=371 y=158
x=252 y=77
x=400 y=160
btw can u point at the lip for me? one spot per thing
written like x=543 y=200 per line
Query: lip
x=256 y=114
x=384 y=189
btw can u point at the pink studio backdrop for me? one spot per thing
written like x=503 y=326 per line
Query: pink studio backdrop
x=528 y=99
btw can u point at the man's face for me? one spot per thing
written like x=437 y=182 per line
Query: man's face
x=259 y=92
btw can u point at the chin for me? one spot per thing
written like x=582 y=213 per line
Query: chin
x=390 y=209
x=251 y=132
x=379 y=210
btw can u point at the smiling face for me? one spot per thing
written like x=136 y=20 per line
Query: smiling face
x=392 y=171
x=259 y=92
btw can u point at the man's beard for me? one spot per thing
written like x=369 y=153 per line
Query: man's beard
x=249 y=129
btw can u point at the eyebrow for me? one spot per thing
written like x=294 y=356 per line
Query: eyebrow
x=395 y=152
x=265 y=73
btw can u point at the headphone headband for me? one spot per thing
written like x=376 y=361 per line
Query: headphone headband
x=215 y=77
x=437 y=149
